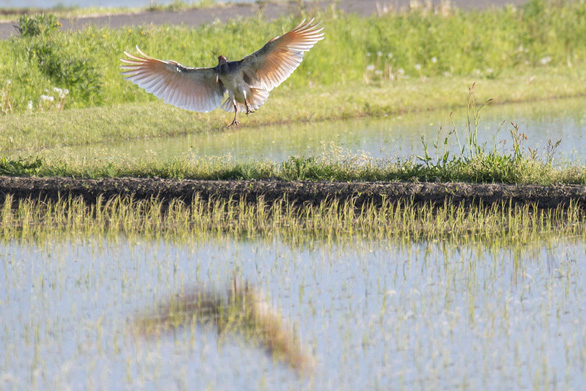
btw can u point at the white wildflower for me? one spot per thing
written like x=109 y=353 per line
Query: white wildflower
x=378 y=72
x=30 y=105
x=417 y=66
x=8 y=82
x=47 y=98
x=60 y=92
x=368 y=54
x=489 y=70
x=434 y=59
x=401 y=71
x=390 y=55
x=370 y=68
x=379 y=53
x=66 y=91
x=545 y=60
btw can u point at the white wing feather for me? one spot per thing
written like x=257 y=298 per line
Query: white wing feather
x=278 y=58
x=196 y=89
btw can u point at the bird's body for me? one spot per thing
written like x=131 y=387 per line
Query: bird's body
x=247 y=82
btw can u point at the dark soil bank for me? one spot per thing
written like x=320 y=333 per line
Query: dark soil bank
x=300 y=192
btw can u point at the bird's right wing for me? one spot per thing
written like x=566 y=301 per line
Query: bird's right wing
x=278 y=58
x=196 y=89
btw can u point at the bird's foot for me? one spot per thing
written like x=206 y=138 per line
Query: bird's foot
x=234 y=123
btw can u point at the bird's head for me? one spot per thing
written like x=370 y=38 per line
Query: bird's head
x=222 y=60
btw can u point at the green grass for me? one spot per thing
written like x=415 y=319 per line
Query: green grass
x=397 y=63
x=473 y=162
x=32 y=131
x=490 y=167
x=486 y=44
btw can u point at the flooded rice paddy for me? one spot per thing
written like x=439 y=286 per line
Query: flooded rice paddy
x=388 y=137
x=93 y=306
x=365 y=314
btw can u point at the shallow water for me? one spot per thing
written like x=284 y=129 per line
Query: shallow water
x=388 y=137
x=374 y=314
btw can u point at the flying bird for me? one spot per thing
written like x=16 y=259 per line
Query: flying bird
x=247 y=82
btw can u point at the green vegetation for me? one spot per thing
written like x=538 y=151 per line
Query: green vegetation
x=336 y=165
x=52 y=127
x=64 y=88
x=153 y=219
x=473 y=162
x=375 y=50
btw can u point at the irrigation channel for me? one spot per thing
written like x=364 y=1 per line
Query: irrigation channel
x=113 y=294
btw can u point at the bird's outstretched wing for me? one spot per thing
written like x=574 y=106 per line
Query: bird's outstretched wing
x=196 y=89
x=278 y=58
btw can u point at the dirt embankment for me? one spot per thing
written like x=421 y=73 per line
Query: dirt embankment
x=298 y=191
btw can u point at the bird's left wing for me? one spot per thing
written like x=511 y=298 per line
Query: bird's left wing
x=278 y=58
x=196 y=89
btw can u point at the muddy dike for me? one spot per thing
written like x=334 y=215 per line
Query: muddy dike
x=300 y=192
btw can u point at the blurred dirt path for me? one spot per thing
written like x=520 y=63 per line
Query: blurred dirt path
x=196 y=17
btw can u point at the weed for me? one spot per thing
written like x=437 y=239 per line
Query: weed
x=32 y=26
x=484 y=44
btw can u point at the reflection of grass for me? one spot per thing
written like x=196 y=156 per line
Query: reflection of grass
x=241 y=310
x=34 y=219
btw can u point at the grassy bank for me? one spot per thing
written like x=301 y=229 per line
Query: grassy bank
x=368 y=51
x=30 y=131
x=377 y=66
x=336 y=165
x=505 y=161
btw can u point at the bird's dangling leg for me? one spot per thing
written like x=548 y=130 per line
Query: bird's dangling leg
x=235 y=122
x=248 y=111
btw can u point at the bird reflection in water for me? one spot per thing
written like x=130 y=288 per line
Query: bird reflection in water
x=239 y=309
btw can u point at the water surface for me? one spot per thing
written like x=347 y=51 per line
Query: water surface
x=374 y=314
x=388 y=137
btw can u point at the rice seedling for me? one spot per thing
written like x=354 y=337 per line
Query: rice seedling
x=327 y=220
